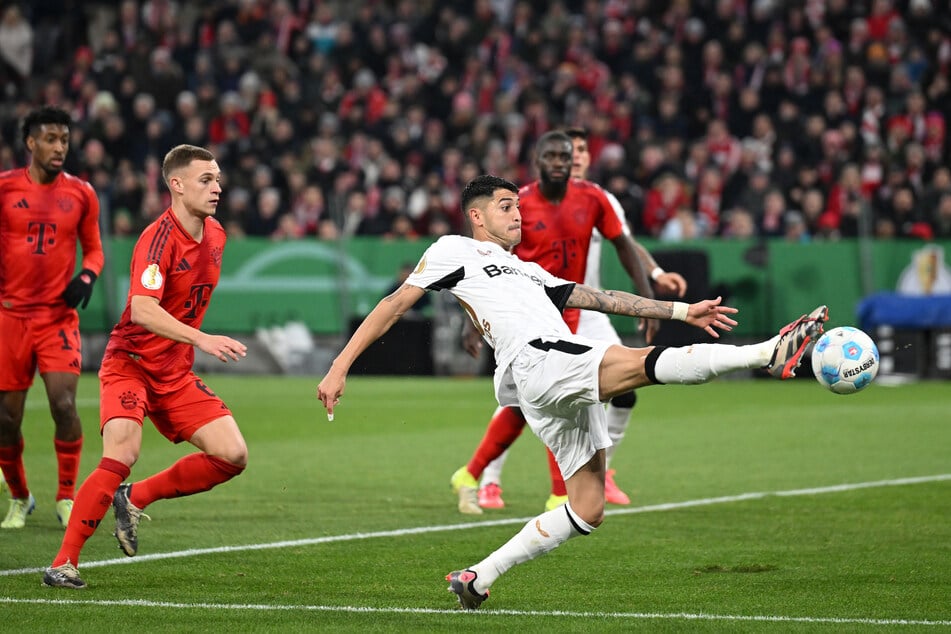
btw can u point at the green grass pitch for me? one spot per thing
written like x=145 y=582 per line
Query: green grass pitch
x=735 y=523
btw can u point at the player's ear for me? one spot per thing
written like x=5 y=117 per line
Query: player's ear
x=176 y=184
x=475 y=216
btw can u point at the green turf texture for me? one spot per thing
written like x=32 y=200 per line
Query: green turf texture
x=873 y=556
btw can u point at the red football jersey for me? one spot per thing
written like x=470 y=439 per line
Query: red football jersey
x=39 y=226
x=557 y=236
x=169 y=265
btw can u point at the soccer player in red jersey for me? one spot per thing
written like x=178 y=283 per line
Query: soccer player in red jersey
x=43 y=212
x=147 y=368
x=560 y=215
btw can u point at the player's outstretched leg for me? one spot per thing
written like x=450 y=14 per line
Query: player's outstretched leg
x=794 y=338
x=127 y=520
x=65 y=576
x=462 y=583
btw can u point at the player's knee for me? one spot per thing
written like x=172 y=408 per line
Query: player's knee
x=63 y=408
x=591 y=511
x=237 y=455
x=625 y=401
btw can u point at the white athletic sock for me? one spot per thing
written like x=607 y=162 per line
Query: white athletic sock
x=618 y=418
x=493 y=470
x=539 y=536
x=701 y=362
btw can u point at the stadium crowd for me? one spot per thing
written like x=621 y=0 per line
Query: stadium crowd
x=808 y=119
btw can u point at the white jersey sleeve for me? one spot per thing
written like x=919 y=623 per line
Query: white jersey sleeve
x=592 y=272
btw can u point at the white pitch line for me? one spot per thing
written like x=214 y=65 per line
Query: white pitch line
x=682 y=616
x=400 y=532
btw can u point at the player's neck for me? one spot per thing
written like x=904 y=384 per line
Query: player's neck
x=192 y=223
x=41 y=176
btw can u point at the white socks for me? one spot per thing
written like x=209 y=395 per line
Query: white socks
x=618 y=418
x=539 y=536
x=701 y=362
x=493 y=470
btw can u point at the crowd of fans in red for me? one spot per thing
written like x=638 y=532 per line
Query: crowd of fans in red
x=809 y=119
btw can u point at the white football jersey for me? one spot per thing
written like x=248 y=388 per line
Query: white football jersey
x=592 y=272
x=510 y=301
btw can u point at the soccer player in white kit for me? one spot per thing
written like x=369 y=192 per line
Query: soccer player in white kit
x=558 y=379
x=595 y=325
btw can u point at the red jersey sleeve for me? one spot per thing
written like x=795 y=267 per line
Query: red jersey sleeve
x=89 y=237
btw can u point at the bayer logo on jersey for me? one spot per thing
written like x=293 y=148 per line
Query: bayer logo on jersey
x=845 y=360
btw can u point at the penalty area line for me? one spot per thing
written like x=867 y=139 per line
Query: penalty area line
x=645 y=616
x=402 y=532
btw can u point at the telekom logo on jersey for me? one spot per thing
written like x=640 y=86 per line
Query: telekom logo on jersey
x=42 y=234
x=493 y=270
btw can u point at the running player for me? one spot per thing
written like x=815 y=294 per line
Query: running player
x=147 y=369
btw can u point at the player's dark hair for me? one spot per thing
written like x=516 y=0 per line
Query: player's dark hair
x=44 y=116
x=181 y=156
x=552 y=135
x=577 y=133
x=484 y=186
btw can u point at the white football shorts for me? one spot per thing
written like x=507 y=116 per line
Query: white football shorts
x=557 y=385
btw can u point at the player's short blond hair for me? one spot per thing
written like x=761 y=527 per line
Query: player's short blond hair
x=181 y=156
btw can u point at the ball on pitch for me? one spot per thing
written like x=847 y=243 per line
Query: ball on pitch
x=845 y=360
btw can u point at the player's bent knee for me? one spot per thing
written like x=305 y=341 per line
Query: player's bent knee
x=226 y=468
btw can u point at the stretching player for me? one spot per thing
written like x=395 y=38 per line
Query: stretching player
x=507 y=425
x=559 y=380
x=565 y=217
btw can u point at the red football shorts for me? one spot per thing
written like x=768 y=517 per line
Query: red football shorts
x=48 y=341
x=177 y=408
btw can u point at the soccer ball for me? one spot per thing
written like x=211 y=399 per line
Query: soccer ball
x=845 y=360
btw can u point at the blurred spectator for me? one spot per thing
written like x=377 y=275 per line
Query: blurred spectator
x=663 y=199
x=739 y=224
x=16 y=50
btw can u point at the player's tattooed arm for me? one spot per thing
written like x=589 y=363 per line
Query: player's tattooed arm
x=618 y=303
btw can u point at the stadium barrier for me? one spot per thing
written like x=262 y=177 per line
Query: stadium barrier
x=328 y=285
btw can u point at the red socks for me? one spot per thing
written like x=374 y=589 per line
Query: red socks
x=557 y=482
x=11 y=462
x=92 y=502
x=506 y=425
x=67 y=461
x=191 y=474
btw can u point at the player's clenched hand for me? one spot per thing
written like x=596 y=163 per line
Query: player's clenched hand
x=671 y=283
x=710 y=315
x=329 y=392
x=222 y=347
